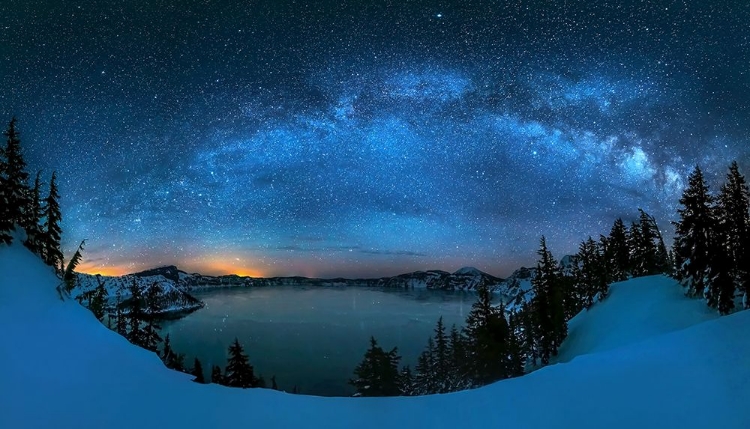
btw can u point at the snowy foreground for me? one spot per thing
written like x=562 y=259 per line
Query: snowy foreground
x=657 y=360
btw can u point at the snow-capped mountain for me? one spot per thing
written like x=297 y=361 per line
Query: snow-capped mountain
x=172 y=297
x=466 y=278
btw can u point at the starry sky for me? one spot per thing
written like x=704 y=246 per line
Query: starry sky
x=369 y=138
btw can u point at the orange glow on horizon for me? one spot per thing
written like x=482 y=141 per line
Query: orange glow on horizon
x=219 y=268
x=208 y=267
x=105 y=271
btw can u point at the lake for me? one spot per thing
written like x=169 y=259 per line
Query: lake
x=312 y=337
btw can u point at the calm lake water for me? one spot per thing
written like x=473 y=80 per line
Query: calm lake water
x=313 y=337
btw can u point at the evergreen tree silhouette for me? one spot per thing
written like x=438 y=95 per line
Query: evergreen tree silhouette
x=458 y=377
x=239 y=372
x=167 y=354
x=720 y=288
x=647 y=248
x=198 y=372
x=618 y=252
x=121 y=321
x=732 y=208
x=377 y=374
x=151 y=337
x=6 y=223
x=692 y=234
x=51 y=231
x=14 y=185
x=589 y=272
x=551 y=327
x=33 y=217
x=135 y=316
x=216 y=376
x=98 y=299
x=441 y=357
x=406 y=382
x=488 y=338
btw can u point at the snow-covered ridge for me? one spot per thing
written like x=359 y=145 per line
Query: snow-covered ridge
x=66 y=370
x=172 y=297
x=464 y=279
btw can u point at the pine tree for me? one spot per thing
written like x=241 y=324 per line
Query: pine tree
x=239 y=372
x=634 y=245
x=274 y=386
x=135 y=315
x=550 y=328
x=693 y=234
x=488 y=338
x=198 y=372
x=216 y=376
x=377 y=374
x=6 y=224
x=618 y=252
x=68 y=274
x=442 y=357
x=458 y=378
x=527 y=334
x=151 y=337
x=589 y=273
x=720 y=286
x=647 y=248
x=121 y=322
x=33 y=217
x=98 y=299
x=178 y=362
x=14 y=186
x=167 y=354
x=406 y=382
x=51 y=232
x=732 y=211
x=425 y=382
x=516 y=357
x=171 y=359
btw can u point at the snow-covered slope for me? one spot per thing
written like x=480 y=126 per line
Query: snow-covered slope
x=635 y=310
x=63 y=369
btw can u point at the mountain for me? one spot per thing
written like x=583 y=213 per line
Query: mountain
x=176 y=284
x=172 y=297
x=66 y=370
x=463 y=279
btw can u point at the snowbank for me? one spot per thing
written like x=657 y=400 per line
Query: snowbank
x=63 y=369
x=635 y=310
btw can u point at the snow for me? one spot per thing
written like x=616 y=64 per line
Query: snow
x=63 y=369
x=468 y=271
x=635 y=310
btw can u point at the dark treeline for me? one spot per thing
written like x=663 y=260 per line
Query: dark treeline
x=497 y=343
x=712 y=240
x=22 y=207
x=138 y=322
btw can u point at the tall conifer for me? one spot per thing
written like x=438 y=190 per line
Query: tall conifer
x=551 y=327
x=198 y=372
x=33 y=218
x=693 y=234
x=617 y=251
x=51 y=231
x=733 y=209
x=15 y=187
x=239 y=372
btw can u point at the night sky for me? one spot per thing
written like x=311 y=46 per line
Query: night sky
x=364 y=139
